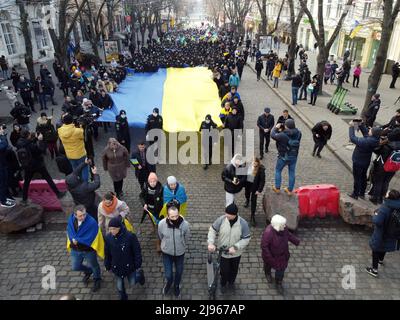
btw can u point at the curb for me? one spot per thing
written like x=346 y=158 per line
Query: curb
x=303 y=117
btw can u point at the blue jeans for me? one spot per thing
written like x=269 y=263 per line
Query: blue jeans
x=5 y=74
x=276 y=82
x=280 y=164
x=295 y=91
x=42 y=101
x=91 y=259
x=168 y=266
x=121 y=284
x=3 y=184
x=85 y=171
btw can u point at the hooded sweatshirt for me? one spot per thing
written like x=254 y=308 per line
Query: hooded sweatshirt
x=229 y=173
x=72 y=139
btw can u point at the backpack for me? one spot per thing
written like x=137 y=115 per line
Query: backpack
x=293 y=146
x=393 y=225
x=392 y=163
x=24 y=157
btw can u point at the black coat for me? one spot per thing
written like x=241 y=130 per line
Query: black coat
x=21 y=114
x=154 y=123
x=227 y=176
x=146 y=166
x=259 y=180
x=104 y=102
x=265 y=122
x=372 y=111
x=122 y=129
x=259 y=65
x=83 y=192
x=297 y=81
x=25 y=87
x=282 y=139
x=281 y=119
x=318 y=129
x=240 y=108
x=123 y=254
x=152 y=197
x=233 y=122
x=223 y=90
x=37 y=149
x=364 y=147
x=48 y=131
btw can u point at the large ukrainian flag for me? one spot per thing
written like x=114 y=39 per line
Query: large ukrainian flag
x=184 y=97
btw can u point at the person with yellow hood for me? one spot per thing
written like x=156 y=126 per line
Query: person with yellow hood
x=73 y=140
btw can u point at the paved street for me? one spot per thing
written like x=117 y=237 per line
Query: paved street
x=315 y=268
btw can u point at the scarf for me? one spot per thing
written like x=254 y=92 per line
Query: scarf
x=110 y=209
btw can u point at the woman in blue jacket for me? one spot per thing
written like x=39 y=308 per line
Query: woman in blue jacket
x=382 y=240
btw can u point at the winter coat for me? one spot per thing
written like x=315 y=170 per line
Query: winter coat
x=265 y=122
x=357 y=71
x=259 y=180
x=223 y=90
x=275 y=247
x=270 y=65
x=153 y=123
x=47 y=129
x=174 y=240
x=233 y=122
x=234 y=80
x=276 y=73
x=306 y=78
x=237 y=236
x=323 y=135
x=379 y=241
x=259 y=65
x=116 y=162
x=224 y=114
x=21 y=114
x=240 y=108
x=328 y=70
x=364 y=146
x=122 y=129
x=104 y=218
x=83 y=192
x=104 y=102
x=297 y=81
x=372 y=111
x=153 y=197
x=123 y=254
x=281 y=119
x=39 y=87
x=144 y=163
x=227 y=176
x=37 y=149
x=25 y=87
x=282 y=139
x=72 y=139
x=14 y=137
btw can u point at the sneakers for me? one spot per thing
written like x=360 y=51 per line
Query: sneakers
x=96 y=285
x=372 y=272
x=177 y=291
x=8 y=203
x=246 y=205
x=289 y=193
x=166 y=289
x=279 y=287
x=276 y=190
x=86 y=278
x=319 y=156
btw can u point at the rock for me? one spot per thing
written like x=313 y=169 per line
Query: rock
x=67 y=204
x=282 y=204
x=358 y=212
x=20 y=217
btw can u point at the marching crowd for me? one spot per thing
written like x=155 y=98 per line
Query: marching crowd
x=104 y=226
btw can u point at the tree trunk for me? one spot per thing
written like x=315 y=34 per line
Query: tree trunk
x=27 y=39
x=374 y=78
x=322 y=57
x=110 y=21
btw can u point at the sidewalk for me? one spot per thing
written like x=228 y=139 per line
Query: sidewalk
x=339 y=143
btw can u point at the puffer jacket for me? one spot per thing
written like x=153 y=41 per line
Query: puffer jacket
x=237 y=235
x=174 y=240
x=123 y=254
x=379 y=240
x=72 y=139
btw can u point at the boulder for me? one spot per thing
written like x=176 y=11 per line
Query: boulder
x=20 y=217
x=282 y=204
x=358 y=212
x=67 y=204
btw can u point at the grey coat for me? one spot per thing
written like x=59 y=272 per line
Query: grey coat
x=173 y=240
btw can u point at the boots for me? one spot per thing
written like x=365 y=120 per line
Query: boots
x=158 y=246
x=279 y=286
x=246 y=205
x=253 y=220
x=268 y=274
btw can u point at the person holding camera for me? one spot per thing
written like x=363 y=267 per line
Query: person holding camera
x=30 y=150
x=362 y=154
x=123 y=256
x=83 y=191
x=174 y=234
x=5 y=198
x=234 y=177
x=234 y=234
x=73 y=140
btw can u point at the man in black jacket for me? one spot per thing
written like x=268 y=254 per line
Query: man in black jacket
x=207 y=130
x=372 y=111
x=322 y=132
x=84 y=192
x=234 y=123
x=5 y=200
x=234 y=177
x=123 y=255
x=237 y=103
x=122 y=129
x=285 y=116
x=141 y=164
x=22 y=115
x=223 y=90
x=265 y=123
x=25 y=88
x=395 y=74
x=154 y=121
x=296 y=84
x=33 y=149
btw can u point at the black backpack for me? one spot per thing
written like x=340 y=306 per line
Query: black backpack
x=293 y=146
x=24 y=157
x=393 y=225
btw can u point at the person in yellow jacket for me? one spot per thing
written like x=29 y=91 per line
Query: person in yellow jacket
x=225 y=111
x=276 y=73
x=73 y=141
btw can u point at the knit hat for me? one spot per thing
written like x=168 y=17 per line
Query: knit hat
x=115 y=222
x=156 y=110
x=289 y=123
x=376 y=131
x=267 y=110
x=232 y=209
x=171 y=180
x=152 y=176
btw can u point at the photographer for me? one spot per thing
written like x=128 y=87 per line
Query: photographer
x=6 y=202
x=89 y=125
x=362 y=154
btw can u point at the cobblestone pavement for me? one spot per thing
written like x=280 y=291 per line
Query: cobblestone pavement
x=315 y=268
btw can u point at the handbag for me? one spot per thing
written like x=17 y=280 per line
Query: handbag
x=310 y=88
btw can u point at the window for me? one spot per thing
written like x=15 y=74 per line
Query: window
x=312 y=6
x=328 y=8
x=339 y=8
x=367 y=9
x=40 y=35
x=8 y=38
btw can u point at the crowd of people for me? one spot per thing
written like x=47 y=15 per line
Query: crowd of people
x=108 y=218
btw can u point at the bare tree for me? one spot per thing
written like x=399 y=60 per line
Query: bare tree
x=66 y=23
x=27 y=39
x=236 y=11
x=214 y=9
x=294 y=27
x=278 y=18
x=319 y=34
x=390 y=13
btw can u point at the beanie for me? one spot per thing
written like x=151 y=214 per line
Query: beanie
x=208 y=117
x=232 y=209
x=267 y=110
x=115 y=222
x=171 y=180
x=156 y=110
x=289 y=123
